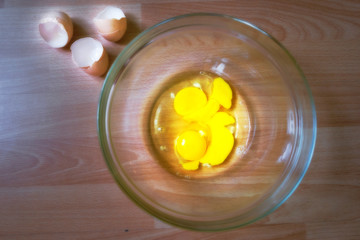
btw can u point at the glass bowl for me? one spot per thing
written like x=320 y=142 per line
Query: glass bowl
x=275 y=136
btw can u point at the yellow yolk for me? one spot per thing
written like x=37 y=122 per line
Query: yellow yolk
x=205 y=113
x=222 y=140
x=221 y=92
x=192 y=104
x=221 y=95
x=188 y=100
x=221 y=119
x=190 y=145
x=193 y=165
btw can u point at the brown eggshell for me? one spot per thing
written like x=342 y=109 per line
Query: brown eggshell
x=111 y=23
x=64 y=22
x=111 y=29
x=99 y=67
x=90 y=55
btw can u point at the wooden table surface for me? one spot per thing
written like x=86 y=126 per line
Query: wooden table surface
x=54 y=183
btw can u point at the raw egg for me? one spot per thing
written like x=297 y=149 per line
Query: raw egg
x=189 y=100
x=193 y=105
x=191 y=145
x=221 y=92
x=222 y=140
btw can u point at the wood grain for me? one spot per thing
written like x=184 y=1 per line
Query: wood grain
x=54 y=183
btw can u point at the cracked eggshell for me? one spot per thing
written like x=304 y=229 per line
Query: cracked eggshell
x=56 y=29
x=90 y=55
x=111 y=23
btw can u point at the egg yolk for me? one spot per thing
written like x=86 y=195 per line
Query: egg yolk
x=205 y=113
x=221 y=92
x=188 y=100
x=192 y=104
x=222 y=140
x=190 y=145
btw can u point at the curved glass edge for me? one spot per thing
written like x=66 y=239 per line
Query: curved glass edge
x=110 y=80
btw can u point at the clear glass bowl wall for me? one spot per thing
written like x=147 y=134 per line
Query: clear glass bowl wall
x=262 y=174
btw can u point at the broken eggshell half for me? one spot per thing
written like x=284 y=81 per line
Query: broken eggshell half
x=90 y=55
x=56 y=29
x=111 y=23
